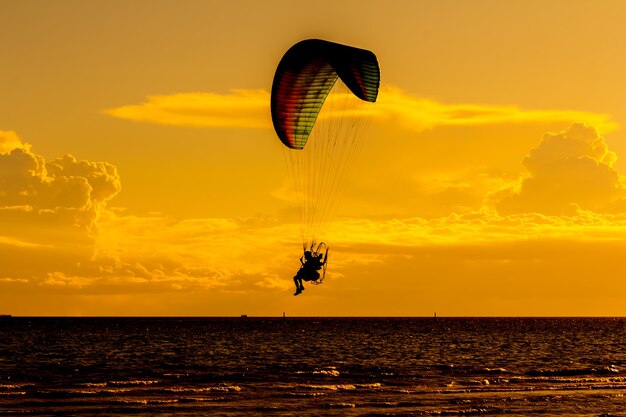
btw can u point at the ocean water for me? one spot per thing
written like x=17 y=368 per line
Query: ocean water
x=313 y=366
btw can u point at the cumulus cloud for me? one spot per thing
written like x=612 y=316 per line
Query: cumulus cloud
x=59 y=237
x=9 y=141
x=250 y=109
x=49 y=210
x=572 y=168
x=64 y=187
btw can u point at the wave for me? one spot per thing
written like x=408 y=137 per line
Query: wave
x=12 y=393
x=146 y=401
x=606 y=370
x=226 y=388
x=303 y=394
x=109 y=391
x=14 y=386
x=202 y=399
x=135 y=382
x=326 y=372
x=340 y=405
x=341 y=387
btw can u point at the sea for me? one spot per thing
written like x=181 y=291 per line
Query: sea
x=249 y=366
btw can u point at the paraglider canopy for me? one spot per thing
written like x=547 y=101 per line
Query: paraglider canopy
x=319 y=151
x=304 y=78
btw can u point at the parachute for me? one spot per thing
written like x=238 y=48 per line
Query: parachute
x=318 y=128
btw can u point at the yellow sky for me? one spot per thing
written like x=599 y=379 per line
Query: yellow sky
x=140 y=174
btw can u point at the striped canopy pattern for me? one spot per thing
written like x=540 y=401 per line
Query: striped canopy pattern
x=305 y=76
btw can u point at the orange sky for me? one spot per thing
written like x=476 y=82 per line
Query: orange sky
x=140 y=175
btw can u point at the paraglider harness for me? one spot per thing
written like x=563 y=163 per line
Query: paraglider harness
x=316 y=252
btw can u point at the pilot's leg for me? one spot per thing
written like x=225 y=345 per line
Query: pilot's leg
x=298 y=281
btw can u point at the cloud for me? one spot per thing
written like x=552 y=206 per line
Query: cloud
x=210 y=253
x=58 y=279
x=49 y=210
x=421 y=114
x=484 y=262
x=9 y=141
x=246 y=256
x=4 y=240
x=64 y=187
x=570 y=168
x=251 y=255
x=69 y=241
x=250 y=109
x=158 y=265
x=238 y=109
x=60 y=240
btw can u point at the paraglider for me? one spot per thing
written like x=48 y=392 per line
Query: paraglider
x=318 y=146
x=314 y=262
